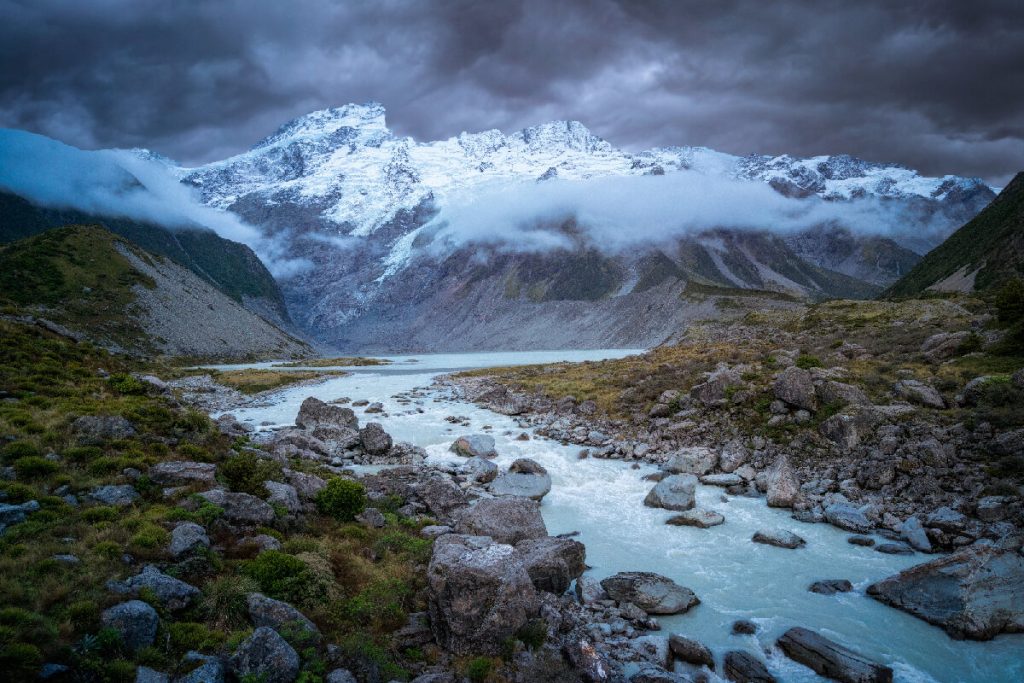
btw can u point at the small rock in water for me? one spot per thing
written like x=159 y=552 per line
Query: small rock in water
x=743 y=627
x=374 y=408
x=865 y=541
x=831 y=586
x=830 y=659
x=778 y=538
x=744 y=667
x=702 y=519
x=653 y=593
x=894 y=549
x=691 y=651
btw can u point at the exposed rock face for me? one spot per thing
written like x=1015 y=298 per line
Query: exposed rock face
x=315 y=413
x=675 y=492
x=267 y=657
x=795 y=387
x=264 y=611
x=831 y=659
x=135 y=621
x=93 y=430
x=552 y=563
x=697 y=460
x=480 y=594
x=374 y=439
x=743 y=667
x=241 y=508
x=525 y=478
x=188 y=537
x=691 y=651
x=918 y=392
x=702 y=519
x=783 y=487
x=778 y=538
x=975 y=593
x=475 y=445
x=507 y=520
x=182 y=473
x=653 y=593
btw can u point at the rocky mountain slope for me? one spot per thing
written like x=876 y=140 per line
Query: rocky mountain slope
x=101 y=287
x=982 y=255
x=367 y=208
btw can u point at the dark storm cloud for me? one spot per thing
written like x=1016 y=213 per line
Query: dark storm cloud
x=937 y=86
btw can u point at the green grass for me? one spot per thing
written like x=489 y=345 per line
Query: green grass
x=254 y=381
x=342 y=361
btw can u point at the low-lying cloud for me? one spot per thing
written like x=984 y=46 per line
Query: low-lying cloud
x=621 y=213
x=122 y=184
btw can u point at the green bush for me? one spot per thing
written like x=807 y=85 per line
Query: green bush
x=189 y=635
x=1010 y=301
x=100 y=514
x=126 y=384
x=342 y=499
x=224 y=600
x=280 y=575
x=83 y=453
x=533 y=634
x=479 y=669
x=150 y=536
x=19 y=449
x=34 y=467
x=807 y=361
x=246 y=472
x=20 y=661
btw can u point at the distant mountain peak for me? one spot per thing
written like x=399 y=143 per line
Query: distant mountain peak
x=367 y=117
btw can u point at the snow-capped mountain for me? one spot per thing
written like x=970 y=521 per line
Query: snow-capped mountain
x=341 y=190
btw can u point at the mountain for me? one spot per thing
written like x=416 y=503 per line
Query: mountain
x=982 y=255
x=101 y=287
x=370 y=210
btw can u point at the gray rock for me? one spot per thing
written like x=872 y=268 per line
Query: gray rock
x=443 y=498
x=943 y=345
x=146 y=675
x=694 y=460
x=183 y=473
x=284 y=495
x=795 y=386
x=241 y=508
x=174 y=594
x=779 y=538
x=702 y=519
x=733 y=456
x=676 y=492
x=913 y=533
x=375 y=407
x=307 y=485
x=845 y=516
x=948 y=520
x=209 y=670
x=975 y=593
x=340 y=676
x=837 y=393
x=552 y=563
x=525 y=478
x=830 y=659
x=993 y=508
x=372 y=517
x=479 y=594
x=435 y=530
x=475 y=445
x=135 y=621
x=831 y=586
x=15 y=514
x=120 y=495
x=93 y=430
x=188 y=537
x=743 y=627
x=650 y=673
x=264 y=611
x=507 y=520
x=732 y=479
x=267 y=657
x=716 y=388
x=918 y=392
x=743 y=667
x=653 y=593
x=691 y=651
x=480 y=470
x=315 y=413
x=374 y=439
x=782 y=485
x=262 y=541
x=894 y=549
x=652 y=649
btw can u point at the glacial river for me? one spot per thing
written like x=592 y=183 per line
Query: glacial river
x=733 y=577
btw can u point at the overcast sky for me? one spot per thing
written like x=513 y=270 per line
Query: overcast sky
x=937 y=86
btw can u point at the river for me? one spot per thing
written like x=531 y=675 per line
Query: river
x=733 y=577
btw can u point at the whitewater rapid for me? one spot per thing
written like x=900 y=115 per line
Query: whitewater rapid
x=733 y=577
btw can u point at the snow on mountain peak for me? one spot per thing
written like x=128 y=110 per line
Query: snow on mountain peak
x=366 y=117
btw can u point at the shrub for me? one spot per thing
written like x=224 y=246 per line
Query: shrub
x=533 y=634
x=224 y=600
x=379 y=606
x=807 y=361
x=83 y=453
x=280 y=575
x=342 y=499
x=1010 y=301
x=126 y=384
x=34 y=467
x=479 y=669
x=150 y=536
x=19 y=449
x=20 y=661
x=100 y=514
x=246 y=472
x=189 y=635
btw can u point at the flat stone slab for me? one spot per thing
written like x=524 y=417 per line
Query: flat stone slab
x=830 y=659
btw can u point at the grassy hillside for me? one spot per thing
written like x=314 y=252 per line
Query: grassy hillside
x=993 y=241
x=231 y=267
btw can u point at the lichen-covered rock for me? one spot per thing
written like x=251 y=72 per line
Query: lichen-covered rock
x=795 y=387
x=241 y=508
x=284 y=495
x=93 y=430
x=278 y=615
x=135 y=621
x=119 y=495
x=506 y=520
x=315 y=413
x=552 y=563
x=183 y=473
x=475 y=445
x=782 y=484
x=188 y=537
x=210 y=669
x=481 y=470
x=918 y=392
x=675 y=492
x=174 y=594
x=267 y=657
x=374 y=439
x=653 y=593
x=443 y=498
x=695 y=460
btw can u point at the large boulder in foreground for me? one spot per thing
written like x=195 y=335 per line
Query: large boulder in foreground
x=653 y=593
x=830 y=659
x=479 y=593
x=135 y=621
x=475 y=445
x=526 y=478
x=783 y=486
x=795 y=386
x=675 y=492
x=506 y=520
x=315 y=413
x=975 y=593
x=552 y=563
x=267 y=657
x=695 y=460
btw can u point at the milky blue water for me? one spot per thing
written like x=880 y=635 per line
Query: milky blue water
x=733 y=577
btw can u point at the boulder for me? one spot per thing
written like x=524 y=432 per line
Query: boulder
x=716 y=387
x=675 y=492
x=481 y=470
x=731 y=479
x=183 y=473
x=652 y=649
x=264 y=611
x=119 y=495
x=651 y=673
x=844 y=429
x=782 y=485
x=795 y=387
x=918 y=392
x=894 y=549
x=241 y=508
x=743 y=667
x=188 y=537
x=372 y=518
x=831 y=586
x=507 y=519
x=975 y=593
x=374 y=439
x=830 y=659
x=702 y=519
x=947 y=519
x=174 y=594
x=552 y=563
x=340 y=676
x=135 y=621
x=733 y=456
x=691 y=651
x=475 y=445
x=744 y=627
x=442 y=496
x=315 y=413
x=267 y=657
x=696 y=460
x=653 y=593
x=284 y=495
x=209 y=670
x=993 y=508
x=846 y=516
x=479 y=594
x=93 y=430
x=779 y=538
x=375 y=407
x=307 y=485
x=838 y=394
x=525 y=478
x=943 y=345
x=913 y=533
